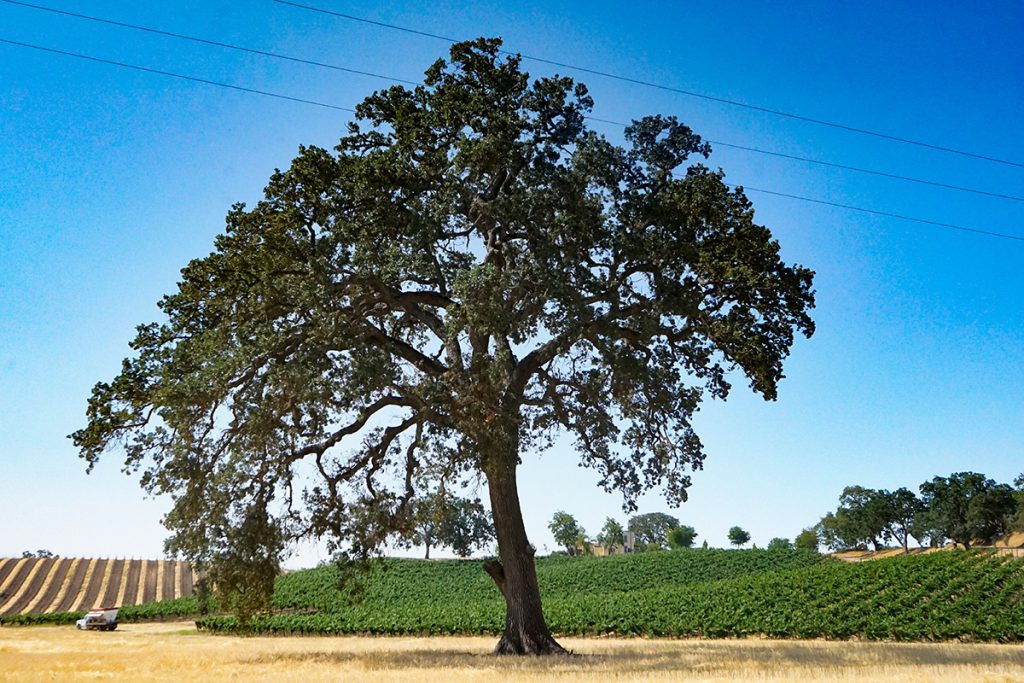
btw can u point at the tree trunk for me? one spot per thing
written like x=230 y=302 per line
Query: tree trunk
x=526 y=631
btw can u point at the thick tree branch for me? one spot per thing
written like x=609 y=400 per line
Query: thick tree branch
x=321 y=447
x=403 y=350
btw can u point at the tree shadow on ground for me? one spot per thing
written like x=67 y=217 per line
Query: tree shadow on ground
x=694 y=657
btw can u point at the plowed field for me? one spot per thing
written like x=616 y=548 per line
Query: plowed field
x=59 y=584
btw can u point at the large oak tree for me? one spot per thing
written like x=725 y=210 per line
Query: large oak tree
x=470 y=272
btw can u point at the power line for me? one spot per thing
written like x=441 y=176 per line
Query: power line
x=337 y=67
x=350 y=110
x=845 y=167
x=175 y=75
x=887 y=214
x=883 y=174
x=205 y=41
x=669 y=88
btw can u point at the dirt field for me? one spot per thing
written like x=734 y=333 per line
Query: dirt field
x=63 y=584
x=157 y=652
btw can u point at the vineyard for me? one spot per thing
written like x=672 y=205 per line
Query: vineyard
x=940 y=596
x=51 y=585
x=967 y=595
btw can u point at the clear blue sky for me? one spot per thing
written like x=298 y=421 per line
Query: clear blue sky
x=110 y=180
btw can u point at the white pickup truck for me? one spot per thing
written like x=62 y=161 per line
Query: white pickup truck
x=100 y=619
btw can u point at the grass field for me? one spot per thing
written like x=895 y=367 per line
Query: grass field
x=175 y=651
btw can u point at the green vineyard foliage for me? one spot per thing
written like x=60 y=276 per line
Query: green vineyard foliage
x=781 y=594
x=967 y=595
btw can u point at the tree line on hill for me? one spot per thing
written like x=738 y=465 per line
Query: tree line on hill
x=650 y=531
x=967 y=508
x=442 y=519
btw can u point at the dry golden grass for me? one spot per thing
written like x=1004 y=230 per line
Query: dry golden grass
x=1014 y=540
x=159 y=652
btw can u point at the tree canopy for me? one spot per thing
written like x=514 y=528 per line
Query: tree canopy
x=650 y=530
x=738 y=536
x=807 y=540
x=1017 y=521
x=871 y=516
x=611 y=535
x=468 y=273
x=859 y=520
x=566 y=530
x=441 y=519
x=681 y=537
x=966 y=507
x=901 y=509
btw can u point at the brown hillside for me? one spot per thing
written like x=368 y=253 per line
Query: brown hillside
x=1013 y=544
x=60 y=584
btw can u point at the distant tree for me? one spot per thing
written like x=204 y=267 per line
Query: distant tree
x=835 y=532
x=681 y=537
x=651 y=529
x=462 y=524
x=870 y=517
x=779 y=543
x=861 y=517
x=899 y=509
x=1017 y=521
x=704 y=546
x=737 y=536
x=926 y=529
x=965 y=507
x=611 y=535
x=566 y=530
x=807 y=540
x=38 y=553
x=428 y=514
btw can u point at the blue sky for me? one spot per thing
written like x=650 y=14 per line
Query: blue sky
x=111 y=180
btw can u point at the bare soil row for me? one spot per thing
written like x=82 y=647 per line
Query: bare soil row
x=60 y=584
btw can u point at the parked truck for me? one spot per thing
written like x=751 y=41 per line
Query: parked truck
x=99 y=619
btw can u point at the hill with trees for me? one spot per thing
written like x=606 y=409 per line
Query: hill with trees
x=966 y=508
x=716 y=593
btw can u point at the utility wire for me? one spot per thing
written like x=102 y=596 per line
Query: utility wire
x=204 y=41
x=845 y=167
x=883 y=174
x=174 y=75
x=669 y=88
x=337 y=67
x=348 y=109
x=887 y=214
